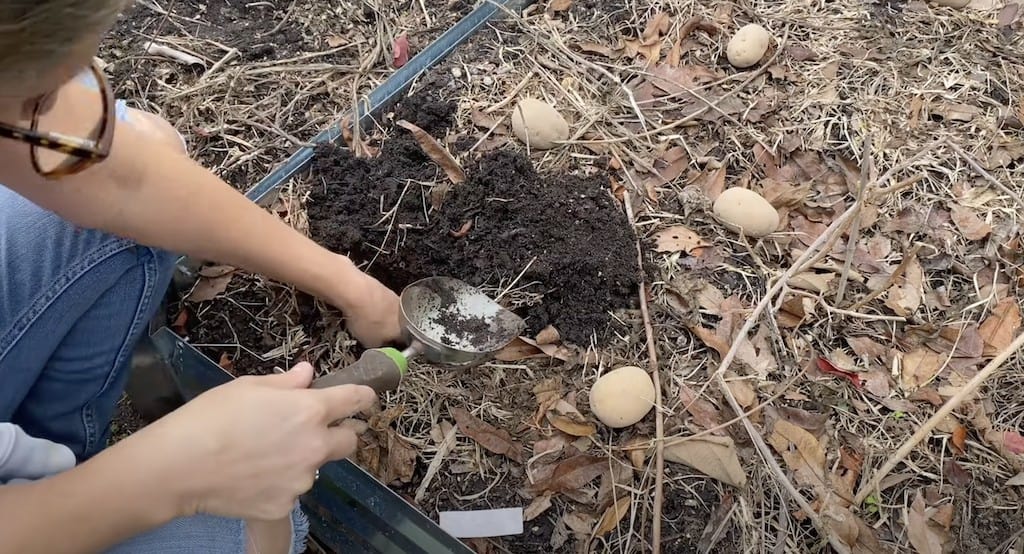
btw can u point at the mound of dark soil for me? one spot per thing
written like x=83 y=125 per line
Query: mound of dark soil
x=566 y=231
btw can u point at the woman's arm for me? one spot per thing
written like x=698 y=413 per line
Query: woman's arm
x=152 y=193
x=246 y=449
x=87 y=509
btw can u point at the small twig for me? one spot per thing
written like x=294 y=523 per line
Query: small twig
x=175 y=54
x=426 y=13
x=659 y=422
x=435 y=464
x=516 y=280
x=946 y=409
x=985 y=174
x=280 y=24
x=854 y=235
x=278 y=132
x=153 y=6
x=512 y=95
x=232 y=54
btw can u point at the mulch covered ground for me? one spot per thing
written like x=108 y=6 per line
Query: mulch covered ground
x=799 y=372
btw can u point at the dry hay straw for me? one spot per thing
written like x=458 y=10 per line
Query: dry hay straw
x=245 y=110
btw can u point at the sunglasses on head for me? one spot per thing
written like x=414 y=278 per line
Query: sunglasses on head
x=80 y=153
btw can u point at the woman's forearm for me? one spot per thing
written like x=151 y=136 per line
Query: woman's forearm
x=166 y=200
x=87 y=509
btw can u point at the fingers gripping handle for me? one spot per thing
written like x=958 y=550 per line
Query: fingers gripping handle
x=381 y=369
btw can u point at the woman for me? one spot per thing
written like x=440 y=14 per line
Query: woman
x=95 y=205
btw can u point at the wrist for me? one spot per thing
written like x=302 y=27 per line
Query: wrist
x=347 y=284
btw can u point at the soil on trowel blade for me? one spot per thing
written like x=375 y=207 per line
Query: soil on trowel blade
x=463 y=328
x=563 y=236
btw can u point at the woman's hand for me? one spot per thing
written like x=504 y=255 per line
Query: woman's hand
x=374 y=319
x=250 y=448
x=371 y=309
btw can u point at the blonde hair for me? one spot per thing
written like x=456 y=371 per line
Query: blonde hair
x=38 y=35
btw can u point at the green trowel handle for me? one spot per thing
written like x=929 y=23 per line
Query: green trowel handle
x=381 y=369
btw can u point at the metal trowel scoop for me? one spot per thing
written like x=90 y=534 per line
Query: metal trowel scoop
x=444 y=320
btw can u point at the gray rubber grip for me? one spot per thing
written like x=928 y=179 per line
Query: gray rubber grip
x=374 y=369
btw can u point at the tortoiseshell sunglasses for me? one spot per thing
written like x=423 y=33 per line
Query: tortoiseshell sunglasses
x=81 y=152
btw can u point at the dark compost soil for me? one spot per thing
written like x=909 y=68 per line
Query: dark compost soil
x=562 y=235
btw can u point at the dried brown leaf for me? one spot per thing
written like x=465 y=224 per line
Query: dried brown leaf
x=971 y=226
x=743 y=391
x=491 y=438
x=704 y=413
x=713 y=183
x=334 y=41
x=904 y=298
x=956 y=474
x=709 y=338
x=537 y=507
x=656 y=26
x=802 y=453
x=571 y=474
x=569 y=420
x=959 y=439
x=436 y=152
x=600 y=49
x=812 y=422
x=1000 y=328
x=213 y=281
x=401 y=459
x=681 y=79
x=713 y=456
x=925 y=538
x=1008 y=15
x=919 y=367
x=518 y=350
x=679 y=238
x=548 y=335
x=963 y=339
x=613 y=515
x=877 y=383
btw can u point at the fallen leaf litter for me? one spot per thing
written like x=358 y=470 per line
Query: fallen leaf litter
x=929 y=271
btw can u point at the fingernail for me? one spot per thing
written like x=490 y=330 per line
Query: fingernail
x=369 y=396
